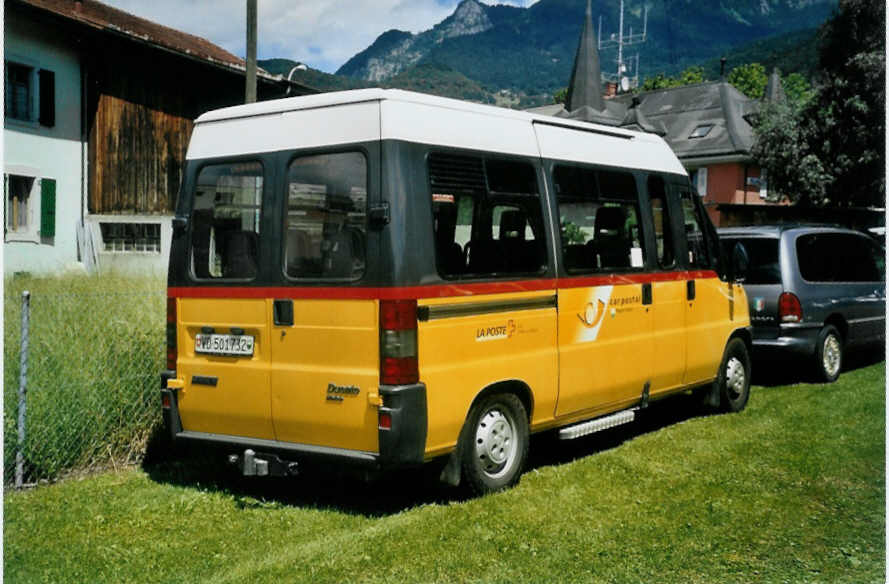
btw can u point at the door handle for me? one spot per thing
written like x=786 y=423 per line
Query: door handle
x=646 y=293
x=690 y=289
x=283 y=310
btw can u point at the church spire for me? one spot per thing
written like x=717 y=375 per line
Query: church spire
x=585 y=88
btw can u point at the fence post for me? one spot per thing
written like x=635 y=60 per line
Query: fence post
x=23 y=381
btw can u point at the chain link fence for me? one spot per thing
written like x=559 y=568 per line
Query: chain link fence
x=95 y=347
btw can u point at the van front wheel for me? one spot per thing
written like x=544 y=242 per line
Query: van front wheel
x=494 y=443
x=734 y=377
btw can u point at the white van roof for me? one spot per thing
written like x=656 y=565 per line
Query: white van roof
x=373 y=114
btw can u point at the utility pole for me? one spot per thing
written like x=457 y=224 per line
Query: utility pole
x=251 y=52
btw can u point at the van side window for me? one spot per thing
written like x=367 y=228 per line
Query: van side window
x=699 y=255
x=225 y=221
x=487 y=218
x=326 y=221
x=598 y=219
x=825 y=257
x=663 y=233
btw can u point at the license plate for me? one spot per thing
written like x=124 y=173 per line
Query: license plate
x=236 y=345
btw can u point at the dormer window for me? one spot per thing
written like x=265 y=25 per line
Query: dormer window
x=701 y=131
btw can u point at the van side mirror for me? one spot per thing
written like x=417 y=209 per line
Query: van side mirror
x=740 y=262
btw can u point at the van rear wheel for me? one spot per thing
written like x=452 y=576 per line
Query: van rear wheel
x=829 y=354
x=494 y=444
x=734 y=377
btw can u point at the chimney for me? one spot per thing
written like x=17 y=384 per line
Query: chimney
x=722 y=61
x=610 y=89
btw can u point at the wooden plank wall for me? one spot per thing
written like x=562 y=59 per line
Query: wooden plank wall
x=136 y=157
x=141 y=106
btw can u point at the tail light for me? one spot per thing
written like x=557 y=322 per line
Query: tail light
x=789 y=308
x=171 y=334
x=398 y=342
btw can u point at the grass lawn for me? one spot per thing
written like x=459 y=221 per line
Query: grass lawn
x=790 y=490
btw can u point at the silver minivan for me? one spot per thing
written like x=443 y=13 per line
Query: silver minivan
x=815 y=292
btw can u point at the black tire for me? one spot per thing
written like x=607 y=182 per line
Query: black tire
x=733 y=380
x=829 y=354
x=494 y=444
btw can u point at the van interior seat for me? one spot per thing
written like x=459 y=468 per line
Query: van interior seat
x=338 y=252
x=449 y=253
x=520 y=254
x=485 y=256
x=297 y=251
x=612 y=243
x=580 y=256
x=241 y=249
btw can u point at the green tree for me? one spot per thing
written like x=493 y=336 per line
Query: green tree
x=829 y=149
x=749 y=79
x=689 y=76
x=561 y=96
x=797 y=88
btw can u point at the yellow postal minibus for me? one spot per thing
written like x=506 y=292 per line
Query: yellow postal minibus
x=383 y=278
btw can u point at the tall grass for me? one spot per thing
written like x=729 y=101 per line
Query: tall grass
x=96 y=348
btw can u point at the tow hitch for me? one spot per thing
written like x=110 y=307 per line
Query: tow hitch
x=253 y=464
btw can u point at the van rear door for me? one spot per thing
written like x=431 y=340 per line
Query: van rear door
x=222 y=336
x=325 y=334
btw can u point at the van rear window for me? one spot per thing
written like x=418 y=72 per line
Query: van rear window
x=326 y=220
x=225 y=221
x=762 y=252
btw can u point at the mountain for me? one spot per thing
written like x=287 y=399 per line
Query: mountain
x=431 y=78
x=531 y=50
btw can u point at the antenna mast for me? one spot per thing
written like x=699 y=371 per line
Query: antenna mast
x=624 y=81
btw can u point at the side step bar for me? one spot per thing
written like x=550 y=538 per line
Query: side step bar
x=598 y=424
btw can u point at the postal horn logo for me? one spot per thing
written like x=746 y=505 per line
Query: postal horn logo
x=593 y=313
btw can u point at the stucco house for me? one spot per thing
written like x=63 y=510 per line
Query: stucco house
x=99 y=106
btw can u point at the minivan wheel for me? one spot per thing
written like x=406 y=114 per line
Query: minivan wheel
x=494 y=443
x=734 y=377
x=829 y=354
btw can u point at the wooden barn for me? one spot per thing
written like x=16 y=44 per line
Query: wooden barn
x=123 y=93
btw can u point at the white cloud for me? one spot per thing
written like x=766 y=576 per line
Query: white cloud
x=322 y=33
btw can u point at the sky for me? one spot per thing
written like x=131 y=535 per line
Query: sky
x=324 y=34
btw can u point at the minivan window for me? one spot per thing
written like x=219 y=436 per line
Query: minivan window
x=325 y=224
x=487 y=218
x=598 y=219
x=225 y=221
x=698 y=254
x=762 y=253
x=837 y=257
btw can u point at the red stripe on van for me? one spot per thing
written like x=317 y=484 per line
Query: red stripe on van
x=431 y=291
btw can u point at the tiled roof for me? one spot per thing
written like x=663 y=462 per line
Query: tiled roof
x=102 y=17
x=682 y=110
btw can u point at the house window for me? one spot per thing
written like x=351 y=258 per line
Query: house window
x=701 y=131
x=30 y=97
x=18 y=201
x=18 y=91
x=131 y=237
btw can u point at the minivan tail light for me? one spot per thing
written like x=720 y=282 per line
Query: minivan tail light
x=789 y=308
x=171 y=334
x=398 y=342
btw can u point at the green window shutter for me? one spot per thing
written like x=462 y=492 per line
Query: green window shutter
x=48 y=207
x=47 y=98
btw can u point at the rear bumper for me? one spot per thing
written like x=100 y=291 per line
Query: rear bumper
x=792 y=341
x=404 y=444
